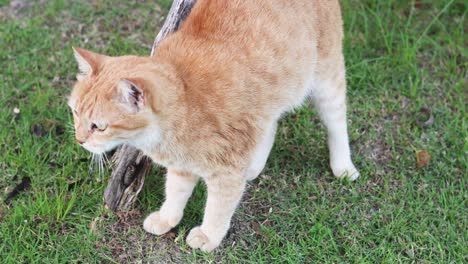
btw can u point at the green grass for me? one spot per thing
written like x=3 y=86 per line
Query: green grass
x=399 y=58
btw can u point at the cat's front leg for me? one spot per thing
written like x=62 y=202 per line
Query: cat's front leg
x=224 y=194
x=179 y=187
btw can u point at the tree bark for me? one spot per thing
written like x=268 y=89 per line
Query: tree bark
x=131 y=166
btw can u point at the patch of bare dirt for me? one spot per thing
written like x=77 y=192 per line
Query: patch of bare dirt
x=19 y=9
x=14 y=9
x=129 y=243
x=133 y=25
x=378 y=149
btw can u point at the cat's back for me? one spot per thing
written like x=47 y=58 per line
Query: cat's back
x=262 y=24
x=258 y=50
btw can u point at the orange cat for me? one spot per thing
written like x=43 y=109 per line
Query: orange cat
x=207 y=103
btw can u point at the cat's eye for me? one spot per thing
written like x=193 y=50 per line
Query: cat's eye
x=75 y=112
x=95 y=127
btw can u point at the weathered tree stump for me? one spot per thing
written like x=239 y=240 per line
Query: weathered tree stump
x=131 y=166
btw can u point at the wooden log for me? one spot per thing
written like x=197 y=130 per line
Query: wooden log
x=131 y=166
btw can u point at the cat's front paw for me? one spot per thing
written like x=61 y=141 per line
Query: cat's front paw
x=348 y=171
x=155 y=224
x=198 y=239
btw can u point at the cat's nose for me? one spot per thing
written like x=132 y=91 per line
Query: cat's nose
x=80 y=141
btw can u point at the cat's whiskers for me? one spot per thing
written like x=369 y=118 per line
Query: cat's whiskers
x=100 y=161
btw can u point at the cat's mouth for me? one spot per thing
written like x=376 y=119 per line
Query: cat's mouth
x=100 y=148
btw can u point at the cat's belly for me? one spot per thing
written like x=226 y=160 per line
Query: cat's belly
x=167 y=161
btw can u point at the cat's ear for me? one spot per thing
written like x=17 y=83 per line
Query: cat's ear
x=131 y=95
x=88 y=62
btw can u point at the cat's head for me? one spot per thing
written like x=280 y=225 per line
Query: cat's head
x=109 y=101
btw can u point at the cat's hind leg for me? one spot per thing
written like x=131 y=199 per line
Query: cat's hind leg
x=329 y=96
x=178 y=189
x=261 y=153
